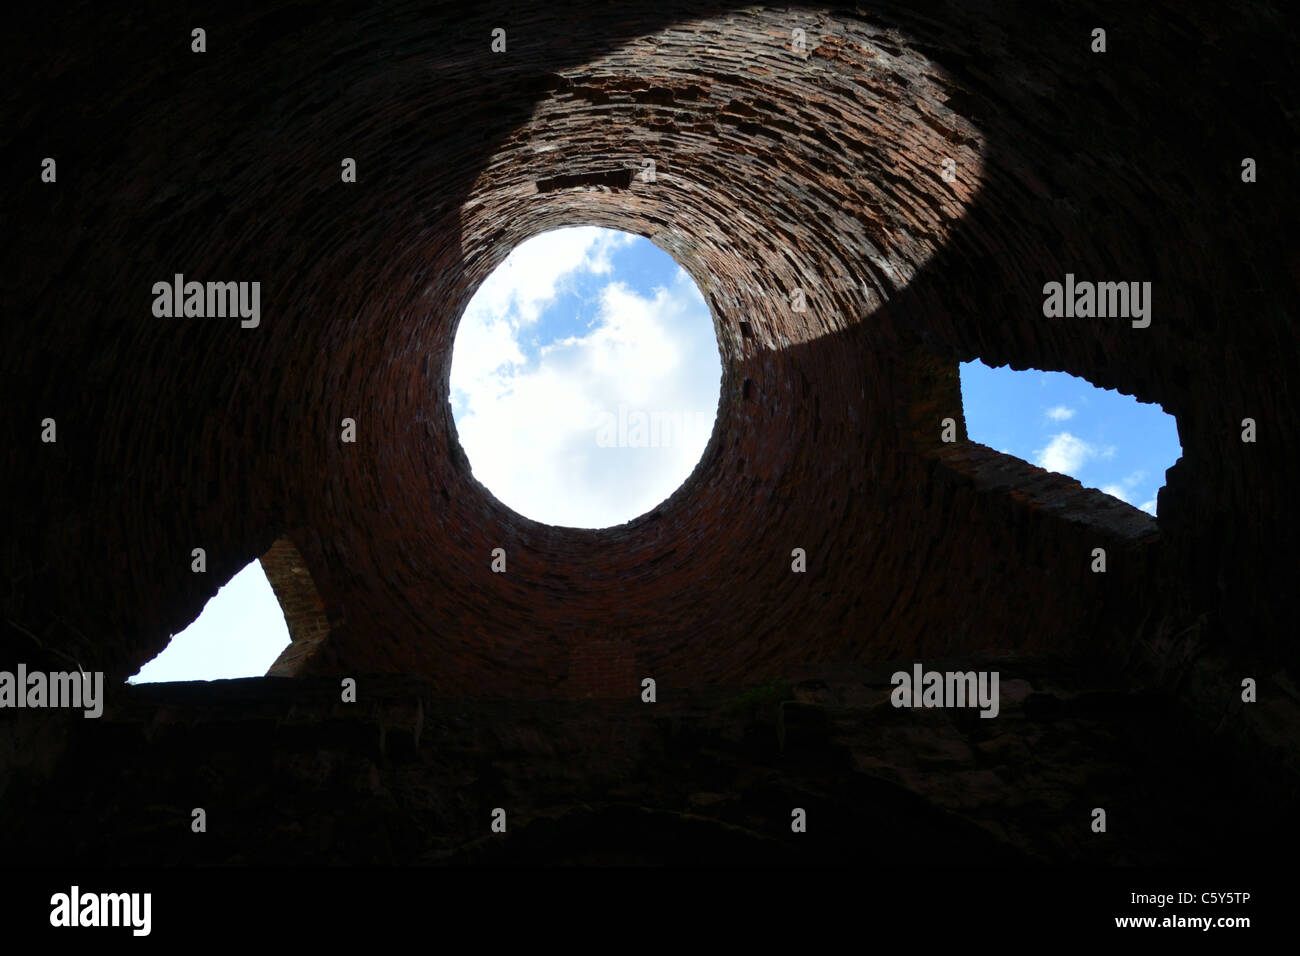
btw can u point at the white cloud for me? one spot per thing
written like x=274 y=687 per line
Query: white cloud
x=1126 y=486
x=1060 y=413
x=1065 y=453
x=529 y=279
x=486 y=353
x=1117 y=492
x=531 y=429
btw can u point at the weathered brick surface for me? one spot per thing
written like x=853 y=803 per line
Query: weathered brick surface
x=304 y=608
x=773 y=172
x=601 y=668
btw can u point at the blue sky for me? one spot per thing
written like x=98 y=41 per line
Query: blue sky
x=579 y=343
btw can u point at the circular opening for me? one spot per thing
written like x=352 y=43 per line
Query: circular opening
x=585 y=377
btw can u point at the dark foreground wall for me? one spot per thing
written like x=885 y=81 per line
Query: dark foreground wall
x=776 y=170
x=284 y=773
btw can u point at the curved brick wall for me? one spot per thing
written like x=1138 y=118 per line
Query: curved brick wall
x=774 y=171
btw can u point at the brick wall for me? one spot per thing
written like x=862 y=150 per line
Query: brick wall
x=303 y=607
x=602 y=667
